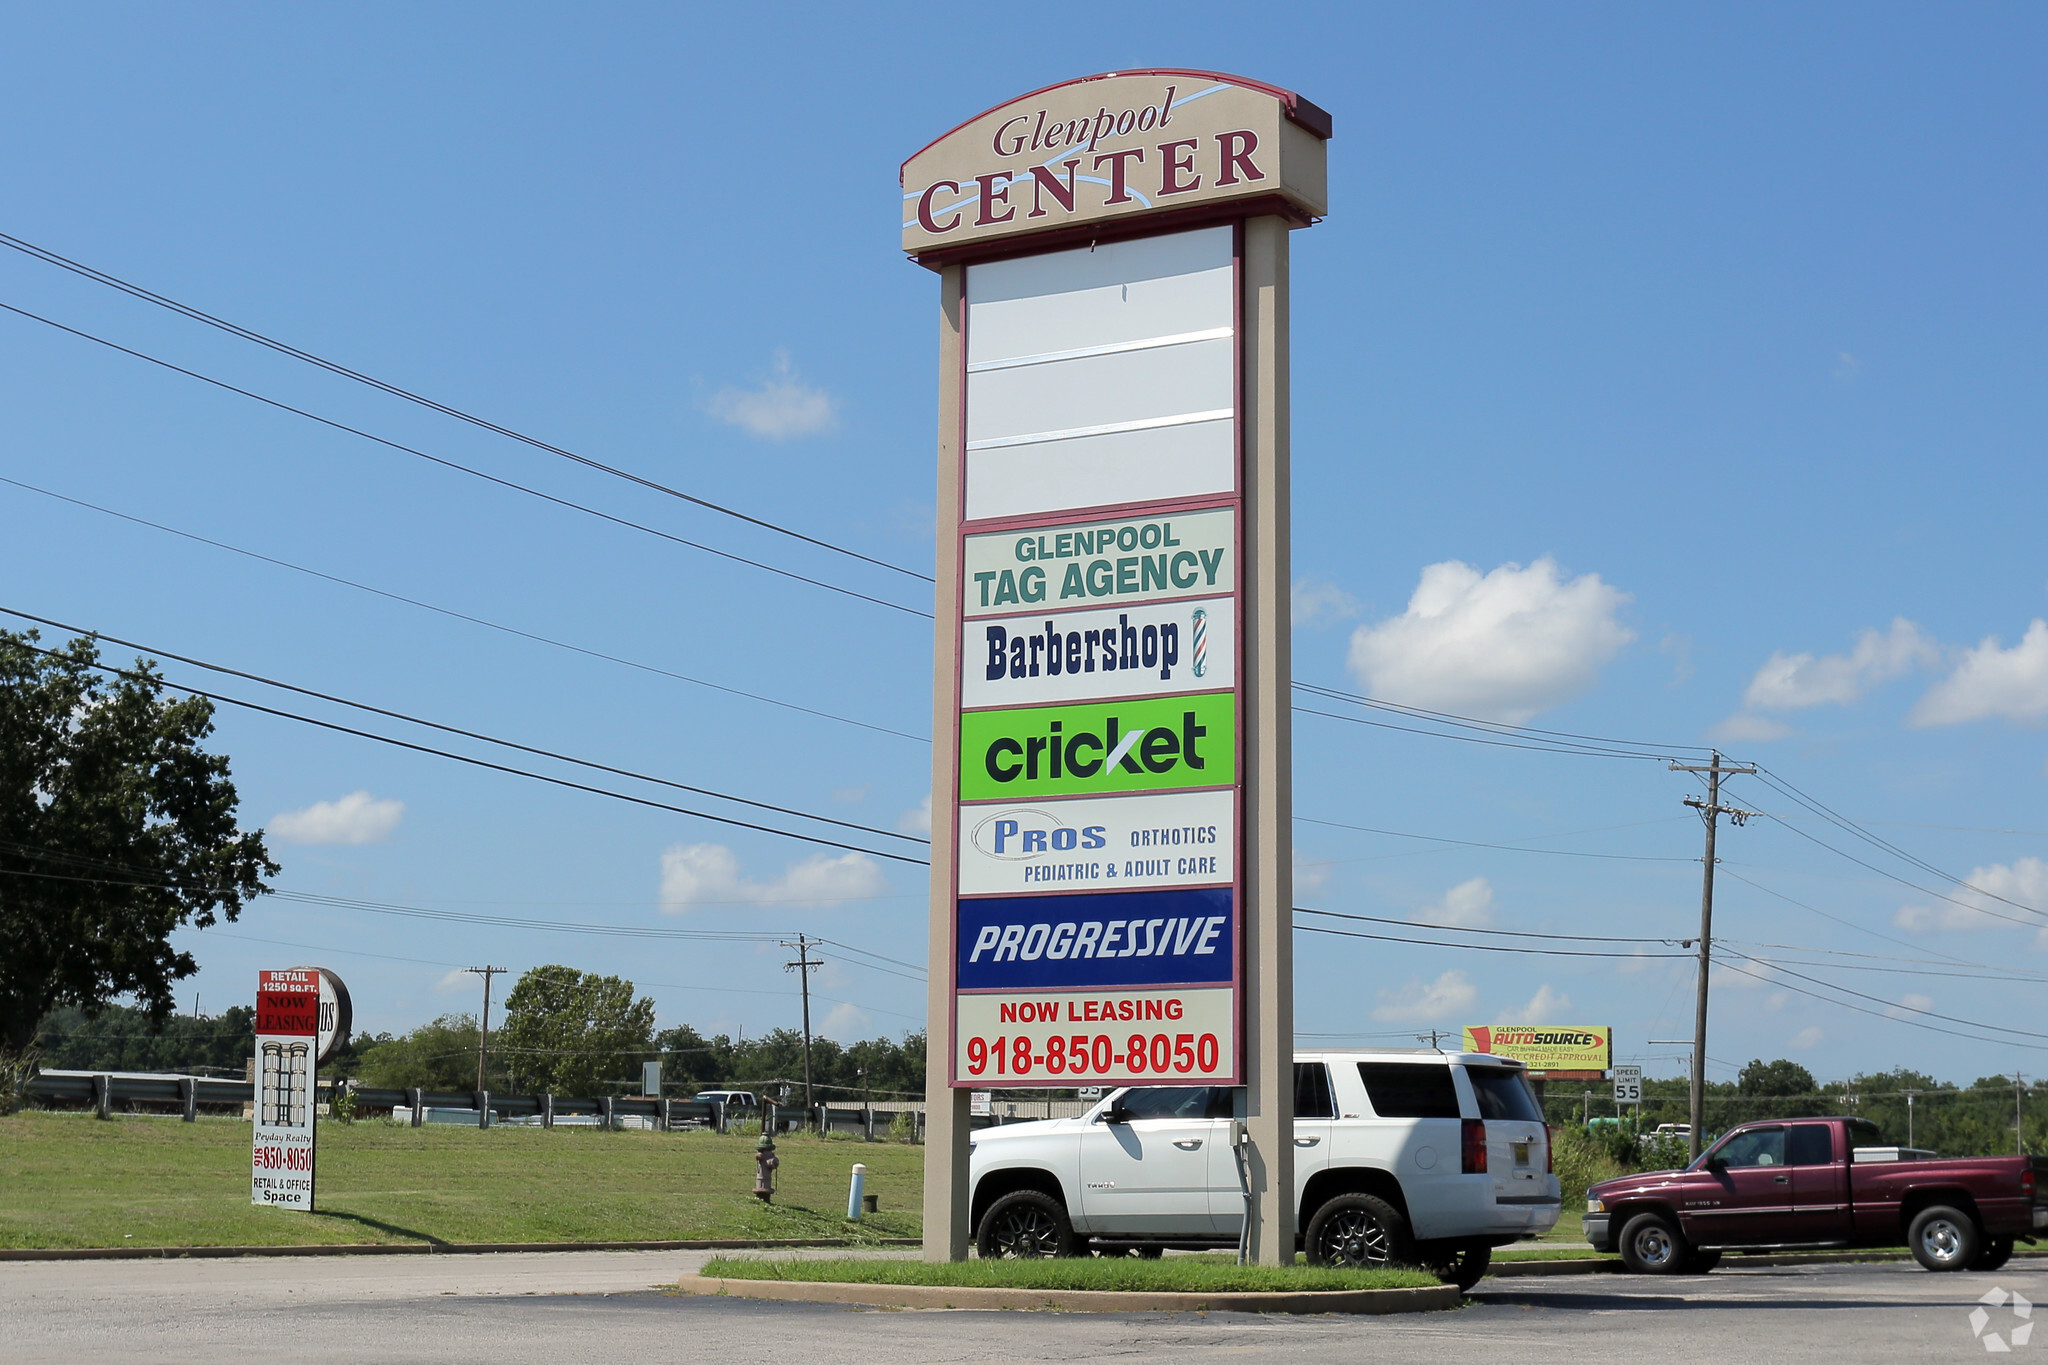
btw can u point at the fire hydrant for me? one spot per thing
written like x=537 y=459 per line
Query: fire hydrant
x=765 y=1162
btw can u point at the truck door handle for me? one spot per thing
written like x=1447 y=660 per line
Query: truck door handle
x=1188 y=1144
x=1781 y=1179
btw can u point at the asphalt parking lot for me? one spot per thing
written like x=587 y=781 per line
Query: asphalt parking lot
x=549 y=1307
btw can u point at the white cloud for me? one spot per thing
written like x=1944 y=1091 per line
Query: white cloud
x=1503 y=645
x=709 y=874
x=1806 y=1038
x=1467 y=905
x=1788 y=682
x=357 y=818
x=457 y=980
x=1319 y=603
x=2011 y=684
x=2024 y=880
x=782 y=407
x=1776 y=1000
x=1310 y=875
x=1746 y=728
x=1545 y=1007
x=918 y=819
x=1449 y=995
x=1911 y=1005
x=847 y=1023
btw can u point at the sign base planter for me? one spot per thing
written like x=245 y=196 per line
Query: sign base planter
x=1372 y=1301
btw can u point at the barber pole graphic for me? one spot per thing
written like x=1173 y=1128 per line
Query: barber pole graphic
x=1201 y=644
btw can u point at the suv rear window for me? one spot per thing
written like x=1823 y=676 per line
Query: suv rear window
x=1410 y=1090
x=1503 y=1094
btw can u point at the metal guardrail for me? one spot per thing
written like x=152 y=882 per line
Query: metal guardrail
x=104 y=1090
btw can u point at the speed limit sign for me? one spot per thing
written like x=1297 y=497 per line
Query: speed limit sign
x=1628 y=1085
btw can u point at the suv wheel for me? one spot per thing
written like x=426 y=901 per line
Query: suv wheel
x=1022 y=1226
x=1651 y=1244
x=1944 y=1238
x=1358 y=1230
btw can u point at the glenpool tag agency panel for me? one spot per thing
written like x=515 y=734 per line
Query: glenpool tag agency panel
x=1096 y=931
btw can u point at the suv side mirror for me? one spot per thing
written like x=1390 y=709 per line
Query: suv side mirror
x=1116 y=1113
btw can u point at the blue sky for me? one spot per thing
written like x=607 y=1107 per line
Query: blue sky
x=1671 y=374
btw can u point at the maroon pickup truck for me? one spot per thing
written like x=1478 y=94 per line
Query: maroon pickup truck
x=1819 y=1183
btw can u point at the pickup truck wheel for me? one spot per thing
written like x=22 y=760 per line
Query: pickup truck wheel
x=1943 y=1238
x=1463 y=1268
x=1997 y=1251
x=1358 y=1230
x=1651 y=1244
x=1024 y=1225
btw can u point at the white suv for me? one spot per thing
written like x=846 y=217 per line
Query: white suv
x=1400 y=1157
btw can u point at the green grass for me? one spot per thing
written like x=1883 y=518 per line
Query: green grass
x=1172 y=1274
x=67 y=1180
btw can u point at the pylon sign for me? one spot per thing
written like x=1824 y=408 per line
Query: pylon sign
x=287 y=1051
x=1094 y=449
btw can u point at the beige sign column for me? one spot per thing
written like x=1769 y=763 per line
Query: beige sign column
x=1268 y=774
x=946 y=1128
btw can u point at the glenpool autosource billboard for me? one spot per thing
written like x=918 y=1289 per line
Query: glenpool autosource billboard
x=1100 y=465
x=1545 y=1047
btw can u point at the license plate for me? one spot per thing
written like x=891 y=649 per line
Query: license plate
x=1521 y=1153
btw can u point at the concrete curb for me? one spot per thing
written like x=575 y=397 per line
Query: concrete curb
x=1080 y=1300
x=428 y=1248
x=1613 y=1265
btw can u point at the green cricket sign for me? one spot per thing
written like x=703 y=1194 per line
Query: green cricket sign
x=1144 y=744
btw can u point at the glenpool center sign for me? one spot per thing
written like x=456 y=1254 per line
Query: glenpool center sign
x=1111 y=870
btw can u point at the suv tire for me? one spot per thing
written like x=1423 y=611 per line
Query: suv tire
x=1024 y=1225
x=1651 y=1244
x=1944 y=1238
x=1359 y=1230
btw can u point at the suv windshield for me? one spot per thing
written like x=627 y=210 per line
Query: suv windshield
x=1503 y=1094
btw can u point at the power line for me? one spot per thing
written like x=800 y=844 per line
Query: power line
x=1477 y=739
x=1880 y=1014
x=466 y=734
x=504 y=768
x=465 y=616
x=235 y=329
x=1814 y=805
x=1474 y=929
x=1769 y=964
x=1850 y=924
x=1637 y=749
x=463 y=468
x=1506 y=848
x=1475 y=947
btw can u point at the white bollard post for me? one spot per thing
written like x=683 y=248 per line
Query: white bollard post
x=854 y=1192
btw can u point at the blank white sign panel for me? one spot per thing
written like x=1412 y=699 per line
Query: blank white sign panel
x=1104 y=376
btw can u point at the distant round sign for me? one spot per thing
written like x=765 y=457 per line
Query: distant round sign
x=337 y=1017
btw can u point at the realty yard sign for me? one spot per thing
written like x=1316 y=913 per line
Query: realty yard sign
x=287 y=1048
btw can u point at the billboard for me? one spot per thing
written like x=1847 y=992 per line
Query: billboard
x=1547 y=1047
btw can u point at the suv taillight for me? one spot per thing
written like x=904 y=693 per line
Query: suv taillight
x=1472 y=1147
x=1549 y=1150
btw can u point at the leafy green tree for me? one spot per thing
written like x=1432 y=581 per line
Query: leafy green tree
x=436 y=1056
x=575 y=1033
x=115 y=829
x=124 y=1039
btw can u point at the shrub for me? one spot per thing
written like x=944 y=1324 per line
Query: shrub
x=903 y=1128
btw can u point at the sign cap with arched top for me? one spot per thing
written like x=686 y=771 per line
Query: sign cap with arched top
x=1121 y=146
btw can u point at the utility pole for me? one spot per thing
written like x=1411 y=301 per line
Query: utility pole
x=483 y=1031
x=2019 y=1114
x=804 y=965
x=1434 y=1035
x=1710 y=811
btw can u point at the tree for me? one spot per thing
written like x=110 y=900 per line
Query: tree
x=575 y=1033
x=436 y=1056
x=115 y=829
x=123 y=1039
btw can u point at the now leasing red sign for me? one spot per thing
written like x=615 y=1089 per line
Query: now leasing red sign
x=287 y=1043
